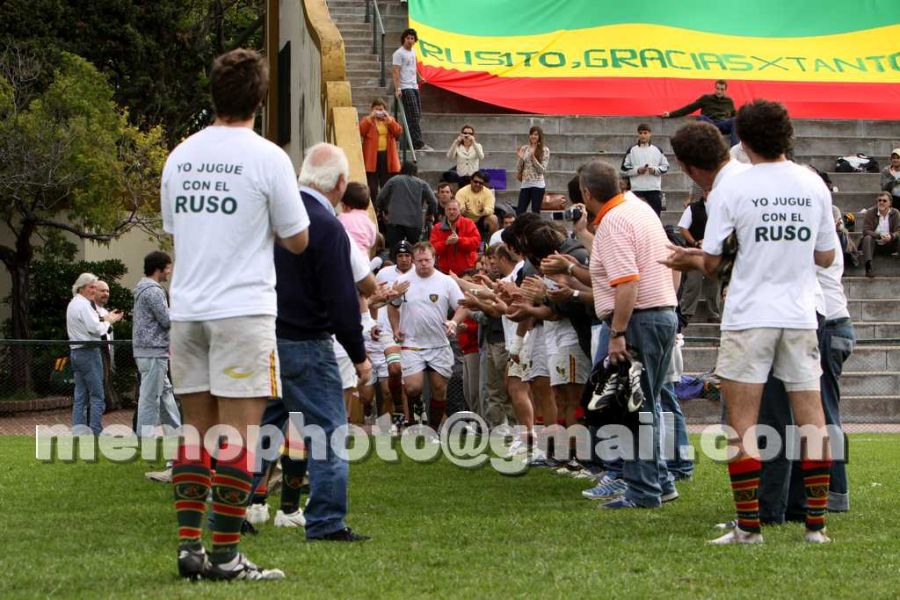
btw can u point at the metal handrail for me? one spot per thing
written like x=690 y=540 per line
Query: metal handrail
x=406 y=143
x=377 y=26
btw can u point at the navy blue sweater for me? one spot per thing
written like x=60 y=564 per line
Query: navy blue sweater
x=317 y=296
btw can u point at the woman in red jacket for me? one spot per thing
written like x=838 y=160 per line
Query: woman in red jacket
x=379 y=132
x=456 y=241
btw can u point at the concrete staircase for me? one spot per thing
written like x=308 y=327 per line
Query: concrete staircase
x=871 y=379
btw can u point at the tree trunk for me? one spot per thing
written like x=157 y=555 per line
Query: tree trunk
x=20 y=270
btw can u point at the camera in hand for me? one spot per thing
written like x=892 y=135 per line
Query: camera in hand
x=573 y=214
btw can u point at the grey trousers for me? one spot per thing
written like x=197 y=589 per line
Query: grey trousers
x=156 y=404
x=496 y=406
x=694 y=285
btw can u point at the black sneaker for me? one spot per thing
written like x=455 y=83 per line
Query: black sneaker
x=247 y=528
x=344 y=535
x=191 y=563
x=240 y=568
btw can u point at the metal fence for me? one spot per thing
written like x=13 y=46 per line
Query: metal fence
x=37 y=375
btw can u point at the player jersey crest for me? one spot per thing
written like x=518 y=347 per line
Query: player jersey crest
x=433 y=297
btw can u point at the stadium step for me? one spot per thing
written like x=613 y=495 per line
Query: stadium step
x=854 y=409
x=865 y=359
x=873 y=372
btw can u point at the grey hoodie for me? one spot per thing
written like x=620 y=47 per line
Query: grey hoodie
x=150 y=325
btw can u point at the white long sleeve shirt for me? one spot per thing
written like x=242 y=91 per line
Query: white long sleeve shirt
x=637 y=157
x=83 y=324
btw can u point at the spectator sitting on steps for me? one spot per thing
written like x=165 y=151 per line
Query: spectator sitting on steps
x=716 y=108
x=881 y=231
x=890 y=178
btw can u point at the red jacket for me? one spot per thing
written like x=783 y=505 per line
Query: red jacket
x=468 y=337
x=460 y=256
x=369 y=133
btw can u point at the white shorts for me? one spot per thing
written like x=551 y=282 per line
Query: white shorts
x=229 y=358
x=569 y=365
x=516 y=369
x=416 y=360
x=792 y=355
x=375 y=352
x=349 y=379
x=536 y=351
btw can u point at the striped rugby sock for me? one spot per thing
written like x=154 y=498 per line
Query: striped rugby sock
x=816 y=478
x=744 y=474
x=231 y=486
x=191 y=482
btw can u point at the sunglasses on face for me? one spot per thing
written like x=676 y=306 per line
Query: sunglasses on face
x=477 y=182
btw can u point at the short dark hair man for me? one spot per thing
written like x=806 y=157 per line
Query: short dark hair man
x=407 y=201
x=150 y=335
x=224 y=353
x=781 y=216
x=406 y=85
x=645 y=164
x=715 y=108
x=420 y=325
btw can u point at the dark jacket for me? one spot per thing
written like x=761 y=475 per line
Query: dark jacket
x=406 y=199
x=710 y=106
x=317 y=296
x=871 y=222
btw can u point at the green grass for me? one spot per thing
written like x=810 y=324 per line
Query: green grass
x=102 y=531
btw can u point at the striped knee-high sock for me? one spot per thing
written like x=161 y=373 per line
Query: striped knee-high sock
x=231 y=486
x=744 y=474
x=816 y=478
x=191 y=482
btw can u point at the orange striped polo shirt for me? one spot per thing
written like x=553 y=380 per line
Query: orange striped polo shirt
x=628 y=245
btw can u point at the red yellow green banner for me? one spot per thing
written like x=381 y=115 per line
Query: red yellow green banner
x=826 y=59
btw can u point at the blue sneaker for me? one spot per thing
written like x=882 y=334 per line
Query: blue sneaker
x=610 y=489
x=620 y=502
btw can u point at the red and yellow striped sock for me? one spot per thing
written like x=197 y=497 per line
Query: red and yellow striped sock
x=744 y=474
x=231 y=486
x=816 y=478
x=191 y=482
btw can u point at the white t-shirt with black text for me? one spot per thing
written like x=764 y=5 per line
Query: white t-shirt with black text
x=427 y=304
x=781 y=213
x=226 y=192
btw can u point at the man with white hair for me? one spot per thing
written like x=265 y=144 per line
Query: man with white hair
x=84 y=324
x=227 y=196
x=318 y=298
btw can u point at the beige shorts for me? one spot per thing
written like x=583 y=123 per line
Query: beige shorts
x=792 y=355
x=516 y=369
x=416 y=360
x=230 y=358
x=569 y=365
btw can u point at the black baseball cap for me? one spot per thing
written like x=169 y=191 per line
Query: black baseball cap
x=403 y=247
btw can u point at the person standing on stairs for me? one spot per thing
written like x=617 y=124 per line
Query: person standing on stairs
x=406 y=86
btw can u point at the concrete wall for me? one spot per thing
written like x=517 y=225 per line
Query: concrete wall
x=308 y=107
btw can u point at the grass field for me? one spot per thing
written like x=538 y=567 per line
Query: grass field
x=101 y=530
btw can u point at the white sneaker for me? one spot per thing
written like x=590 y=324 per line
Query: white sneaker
x=518 y=446
x=164 y=476
x=737 y=536
x=817 y=537
x=257 y=514
x=294 y=519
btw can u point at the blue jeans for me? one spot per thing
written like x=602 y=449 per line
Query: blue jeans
x=156 y=403
x=835 y=347
x=668 y=402
x=87 y=367
x=312 y=385
x=652 y=335
x=726 y=126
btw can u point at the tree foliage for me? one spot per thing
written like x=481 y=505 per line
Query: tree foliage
x=155 y=53
x=69 y=161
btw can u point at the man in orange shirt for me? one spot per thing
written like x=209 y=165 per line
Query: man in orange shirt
x=634 y=295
